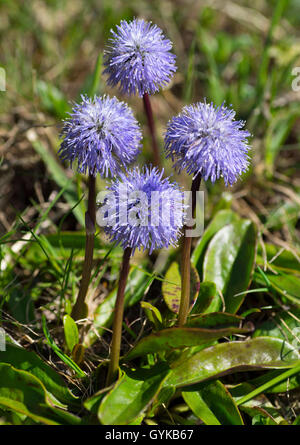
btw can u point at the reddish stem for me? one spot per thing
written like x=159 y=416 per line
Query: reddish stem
x=150 y=119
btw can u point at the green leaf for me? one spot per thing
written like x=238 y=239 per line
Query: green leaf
x=71 y=240
x=132 y=395
x=67 y=360
x=62 y=244
x=213 y=404
x=227 y=358
x=229 y=262
x=221 y=219
x=177 y=338
x=153 y=314
x=71 y=332
x=207 y=292
x=213 y=320
x=26 y=360
x=23 y=393
x=196 y=403
x=171 y=287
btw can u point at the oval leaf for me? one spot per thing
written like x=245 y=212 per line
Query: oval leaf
x=213 y=399
x=213 y=320
x=176 y=338
x=23 y=393
x=131 y=395
x=71 y=332
x=171 y=287
x=226 y=358
x=221 y=219
x=28 y=361
x=229 y=262
x=207 y=293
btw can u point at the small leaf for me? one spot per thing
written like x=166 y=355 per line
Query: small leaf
x=226 y=358
x=23 y=393
x=67 y=360
x=171 y=287
x=213 y=320
x=207 y=292
x=194 y=400
x=71 y=332
x=28 y=361
x=176 y=338
x=152 y=313
x=131 y=395
x=221 y=219
x=213 y=404
x=229 y=262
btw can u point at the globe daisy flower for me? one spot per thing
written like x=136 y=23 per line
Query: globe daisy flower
x=145 y=195
x=101 y=135
x=139 y=58
x=207 y=140
x=153 y=209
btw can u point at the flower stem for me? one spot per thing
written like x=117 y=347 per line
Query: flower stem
x=80 y=309
x=118 y=319
x=186 y=260
x=150 y=119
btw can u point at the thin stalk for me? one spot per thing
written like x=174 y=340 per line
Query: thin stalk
x=150 y=119
x=186 y=259
x=118 y=319
x=80 y=309
x=285 y=375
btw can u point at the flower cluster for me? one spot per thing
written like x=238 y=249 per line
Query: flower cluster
x=139 y=58
x=102 y=135
x=149 y=210
x=206 y=140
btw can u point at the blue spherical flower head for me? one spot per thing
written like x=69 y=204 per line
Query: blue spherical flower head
x=206 y=140
x=147 y=211
x=139 y=58
x=102 y=135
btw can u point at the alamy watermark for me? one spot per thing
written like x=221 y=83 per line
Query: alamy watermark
x=2 y=340
x=2 y=79
x=137 y=208
x=296 y=81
